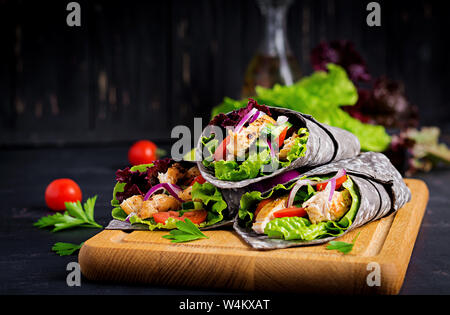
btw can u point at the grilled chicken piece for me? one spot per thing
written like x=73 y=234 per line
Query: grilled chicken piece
x=158 y=203
x=287 y=146
x=240 y=142
x=266 y=214
x=319 y=209
x=186 y=195
x=192 y=173
x=132 y=204
x=173 y=174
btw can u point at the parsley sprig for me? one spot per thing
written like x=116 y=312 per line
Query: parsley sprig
x=343 y=247
x=186 y=231
x=74 y=216
x=65 y=249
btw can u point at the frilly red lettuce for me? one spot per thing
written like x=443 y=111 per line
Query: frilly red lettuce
x=385 y=104
x=343 y=53
x=137 y=180
x=233 y=118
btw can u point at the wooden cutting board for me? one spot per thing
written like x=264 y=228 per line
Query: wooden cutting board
x=376 y=265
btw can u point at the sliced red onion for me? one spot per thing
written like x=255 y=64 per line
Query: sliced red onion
x=339 y=174
x=296 y=187
x=255 y=116
x=332 y=182
x=172 y=189
x=127 y=219
x=245 y=119
x=281 y=120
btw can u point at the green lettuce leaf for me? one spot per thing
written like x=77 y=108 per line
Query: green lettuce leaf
x=250 y=168
x=210 y=144
x=319 y=95
x=295 y=228
x=170 y=224
x=348 y=218
x=213 y=201
x=118 y=214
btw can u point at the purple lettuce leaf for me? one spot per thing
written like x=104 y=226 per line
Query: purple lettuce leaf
x=385 y=104
x=139 y=182
x=343 y=53
x=233 y=118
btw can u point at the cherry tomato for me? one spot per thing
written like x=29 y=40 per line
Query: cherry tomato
x=221 y=150
x=261 y=204
x=197 y=216
x=290 y=212
x=282 y=136
x=60 y=191
x=339 y=182
x=142 y=152
x=199 y=179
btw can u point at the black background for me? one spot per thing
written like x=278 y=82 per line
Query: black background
x=135 y=69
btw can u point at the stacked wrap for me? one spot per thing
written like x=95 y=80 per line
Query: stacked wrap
x=325 y=144
x=381 y=188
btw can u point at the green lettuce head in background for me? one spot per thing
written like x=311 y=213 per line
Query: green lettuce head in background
x=320 y=95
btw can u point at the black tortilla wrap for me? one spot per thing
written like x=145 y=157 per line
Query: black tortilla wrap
x=381 y=188
x=325 y=144
x=229 y=214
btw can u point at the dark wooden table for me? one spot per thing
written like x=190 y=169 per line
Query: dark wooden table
x=28 y=266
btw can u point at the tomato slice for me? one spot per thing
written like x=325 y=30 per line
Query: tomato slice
x=282 y=136
x=261 y=204
x=339 y=183
x=197 y=216
x=161 y=217
x=199 y=179
x=290 y=212
x=221 y=150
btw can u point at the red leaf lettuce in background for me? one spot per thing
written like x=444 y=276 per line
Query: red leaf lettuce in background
x=385 y=103
x=343 y=53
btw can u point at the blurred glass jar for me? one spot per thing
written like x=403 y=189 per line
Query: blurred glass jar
x=273 y=62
